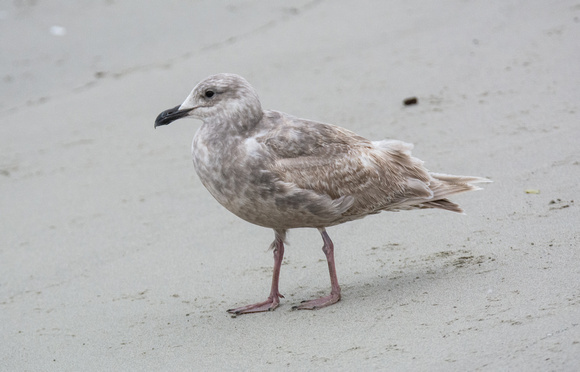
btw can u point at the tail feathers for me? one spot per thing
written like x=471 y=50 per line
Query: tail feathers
x=443 y=204
x=445 y=185
x=447 y=178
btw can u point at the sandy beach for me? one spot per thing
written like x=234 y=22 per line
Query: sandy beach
x=114 y=256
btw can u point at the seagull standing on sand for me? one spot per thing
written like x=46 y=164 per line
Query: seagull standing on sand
x=281 y=172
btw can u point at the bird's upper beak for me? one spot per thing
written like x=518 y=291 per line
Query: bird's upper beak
x=170 y=115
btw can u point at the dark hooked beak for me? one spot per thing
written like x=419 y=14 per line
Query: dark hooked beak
x=170 y=115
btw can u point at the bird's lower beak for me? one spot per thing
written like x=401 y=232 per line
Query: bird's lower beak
x=170 y=115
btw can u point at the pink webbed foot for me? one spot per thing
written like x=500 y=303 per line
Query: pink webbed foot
x=318 y=303
x=269 y=305
x=334 y=296
x=274 y=298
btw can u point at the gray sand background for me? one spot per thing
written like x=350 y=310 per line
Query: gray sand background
x=114 y=257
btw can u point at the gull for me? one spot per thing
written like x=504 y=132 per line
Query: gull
x=282 y=172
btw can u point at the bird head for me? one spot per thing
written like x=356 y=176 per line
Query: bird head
x=226 y=98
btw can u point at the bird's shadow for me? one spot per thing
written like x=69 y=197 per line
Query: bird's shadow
x=411 y=281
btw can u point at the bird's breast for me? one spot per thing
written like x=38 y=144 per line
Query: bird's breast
x=231 y=170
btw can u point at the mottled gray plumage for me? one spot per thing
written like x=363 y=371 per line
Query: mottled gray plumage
x=278 y=171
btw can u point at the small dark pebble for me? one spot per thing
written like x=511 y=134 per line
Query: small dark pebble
x=410 y=101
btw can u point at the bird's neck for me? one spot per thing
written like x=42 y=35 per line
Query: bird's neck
x=237 y=123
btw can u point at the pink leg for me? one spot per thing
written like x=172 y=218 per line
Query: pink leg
x=274 y=299
x=334 y=296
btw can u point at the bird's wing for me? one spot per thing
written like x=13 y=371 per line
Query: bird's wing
x=333 y=161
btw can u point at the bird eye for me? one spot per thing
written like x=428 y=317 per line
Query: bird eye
x=209 y=93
